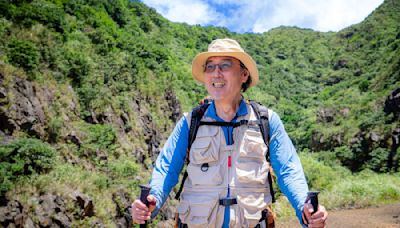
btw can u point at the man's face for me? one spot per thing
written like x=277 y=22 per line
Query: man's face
x=224 y=77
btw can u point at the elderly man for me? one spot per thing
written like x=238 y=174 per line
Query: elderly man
x=227 y=184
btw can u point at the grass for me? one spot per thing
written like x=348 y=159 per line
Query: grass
x=362 y=190
x=344 y=190
x=66 y=178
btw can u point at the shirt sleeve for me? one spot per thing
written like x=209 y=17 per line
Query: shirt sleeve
x=169 y=164
x=287 y=166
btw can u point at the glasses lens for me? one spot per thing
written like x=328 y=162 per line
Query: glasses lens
x=210 y=67
x=225 y=66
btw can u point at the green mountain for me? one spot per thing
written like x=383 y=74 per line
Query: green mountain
x=89 y=91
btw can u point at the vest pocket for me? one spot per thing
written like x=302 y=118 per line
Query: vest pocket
x=253 y=145
x=252 y=172
x=204 y=148
x=251 y=166
x=250 y=206
x=208 y=176
x=198 y=210
x=203 y=168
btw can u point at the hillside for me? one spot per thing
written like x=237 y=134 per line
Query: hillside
x=89 y=91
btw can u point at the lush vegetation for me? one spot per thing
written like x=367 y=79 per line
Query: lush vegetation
x=23 y=157
x=341 y=189
x=110 y=65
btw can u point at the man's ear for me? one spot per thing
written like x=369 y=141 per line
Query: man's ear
x=246 y=75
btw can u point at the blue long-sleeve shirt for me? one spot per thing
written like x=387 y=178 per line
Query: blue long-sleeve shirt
x=284 y=160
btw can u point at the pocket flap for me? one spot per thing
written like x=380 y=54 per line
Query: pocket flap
x=253 y=145
x=253 y=201
x=252 y=172
x=203 y=136
x=204 y=149
x=201 y=143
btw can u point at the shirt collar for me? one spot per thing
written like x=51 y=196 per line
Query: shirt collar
x=212 y=113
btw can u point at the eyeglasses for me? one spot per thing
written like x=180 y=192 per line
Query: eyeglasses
x=223 y=66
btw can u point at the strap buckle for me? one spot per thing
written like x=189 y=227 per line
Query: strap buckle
x=227 y=201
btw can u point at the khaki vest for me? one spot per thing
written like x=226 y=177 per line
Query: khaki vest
x=209 y=176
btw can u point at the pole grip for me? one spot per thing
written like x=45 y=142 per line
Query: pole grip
x=313 y=198
x=144 y=192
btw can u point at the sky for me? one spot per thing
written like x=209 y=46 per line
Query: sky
x=258 y=16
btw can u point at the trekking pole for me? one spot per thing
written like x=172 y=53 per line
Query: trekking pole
x=313 y=197
x=144 y=192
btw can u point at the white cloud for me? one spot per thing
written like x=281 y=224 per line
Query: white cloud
x=262 y=15
x=191 y=12
x=323 y=16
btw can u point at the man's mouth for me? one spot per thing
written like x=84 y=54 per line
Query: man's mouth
x=218 y=84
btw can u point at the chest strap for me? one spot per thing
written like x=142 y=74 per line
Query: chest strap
x=230 y=124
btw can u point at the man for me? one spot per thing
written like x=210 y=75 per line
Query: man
x=227 y=182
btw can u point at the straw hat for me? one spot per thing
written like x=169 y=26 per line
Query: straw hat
x=224 y=47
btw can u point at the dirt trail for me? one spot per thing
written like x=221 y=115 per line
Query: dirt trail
x=387 y=216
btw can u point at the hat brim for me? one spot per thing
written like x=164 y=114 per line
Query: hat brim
x=200 y=59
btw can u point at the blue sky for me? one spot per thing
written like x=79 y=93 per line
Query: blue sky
x=261 y=15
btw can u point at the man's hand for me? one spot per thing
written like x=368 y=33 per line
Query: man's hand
x=315 y=220
x=140 y=212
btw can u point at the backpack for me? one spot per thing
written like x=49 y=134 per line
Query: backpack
x=261 y=113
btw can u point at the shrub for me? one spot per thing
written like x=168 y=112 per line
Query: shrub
x=23 y=53
x=38 y=11
x=124 y=168
x=23 y=157
x=98 y=137
x=344 y=154
x=378 y=161
x=54 y=128
x=78 y=64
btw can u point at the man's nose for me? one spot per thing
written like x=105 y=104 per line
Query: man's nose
x=217 y=71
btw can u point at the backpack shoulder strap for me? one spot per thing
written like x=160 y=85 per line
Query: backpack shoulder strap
x=262 y=115
x=197 y=115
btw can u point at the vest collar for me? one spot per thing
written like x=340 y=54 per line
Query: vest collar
x=212 y=113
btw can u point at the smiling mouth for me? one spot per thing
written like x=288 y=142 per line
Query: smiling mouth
x=218 y=84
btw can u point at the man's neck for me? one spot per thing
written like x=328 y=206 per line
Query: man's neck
x=226 y=110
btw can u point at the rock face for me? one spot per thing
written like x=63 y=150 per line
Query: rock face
x=173 y=105
x=84 y=203
x=52 y=212
x=122 y=202
x=49 y=212
x=12 y=215
x=319 y=142
x=152 y=135
x=326 y=115
x=26 y=106
x=392 y=104
x=392 y=164
x=21 y=107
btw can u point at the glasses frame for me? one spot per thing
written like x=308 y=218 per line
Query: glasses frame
x=222 y=66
